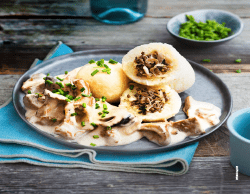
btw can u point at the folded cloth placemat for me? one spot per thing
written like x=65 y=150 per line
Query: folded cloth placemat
x=20 y=143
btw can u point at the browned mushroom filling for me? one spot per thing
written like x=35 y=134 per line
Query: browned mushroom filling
x=149 y=100
x=151 y=64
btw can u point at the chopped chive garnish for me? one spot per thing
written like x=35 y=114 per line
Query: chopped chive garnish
x=93 y=124
x=47 y=74
x=68 y=84
x=61 y=91
x=66 y=93
x=60 y=84
x=237 y=60
x=86 y=95
x=112 y=61
x=211 y=70
x=97 y=106
x=82 y=89
x=97 y=99
x=29 y=92
x=92 y=144
x=54 y=120
x=40 y=95
x=109 y=128
x=131 y=87
x=106 y=66
x=206 y=60
x=70 y=97
x=59 y=78
x=99 y=113
x=95 y=136
x=73 y=87
x=94 y=72
x=54 y=91
x=78 y=98
x=82 y=123
x=104 y=98
x=57 y=93
x=105 y=107
x=100 y=63
x=66 y=72
x=91 y=61
x=74 y=114
x=108 y=72
x=44 y=78
x=68 y=100
x=103 y=115
x=105 y=111
x=84 y=105
x=48 y=82
x=238 y=71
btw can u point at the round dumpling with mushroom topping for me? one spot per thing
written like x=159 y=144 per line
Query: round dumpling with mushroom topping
x=158 y=64
x=151 y=103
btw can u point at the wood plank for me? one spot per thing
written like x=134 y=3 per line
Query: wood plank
x=156 y=8
x=216 y=144
x=25 y=40
x=206 y=175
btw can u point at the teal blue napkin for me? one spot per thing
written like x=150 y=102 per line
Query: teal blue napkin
x=20 y=143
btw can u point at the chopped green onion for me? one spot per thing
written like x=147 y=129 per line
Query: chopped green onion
x=29 y=92
x=104 y=98
x=82 y=89
x=66 y=72
x=74 y=114
x=94 y=72
x=211 y=70
x=86 y=95
x=95 y=136
x=54 y=120
x=73 y=87
x=57 y=93
x=59 y=78
x=103 y=115
x=112 y=61
x=60 y=84
x=238 y=60
x=99 y=113
x=78 y=98
x=105 y=111
x=105 y=107
x=84 y=105
x=97 y=99
x=48 y=82
x=109 y=128
x=44 y=78
x=61 y=91
x=54 y=91
x=47 y=74
x=100 y=63
x=97 y=106
x=68 y=100
x=106 y=66
x=69 y=97
x=131 y=87
x=206 y=60
x=82 y=123
x=93 y=124
x=91 y=61
x=68 y=84
x=92 y=144
x=238 y=71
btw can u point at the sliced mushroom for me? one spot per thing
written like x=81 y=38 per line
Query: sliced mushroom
x=156 y=132
x=35 y=84
x=33 y=101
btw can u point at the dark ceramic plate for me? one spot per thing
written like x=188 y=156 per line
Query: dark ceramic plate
x=232 y=21
x=208 y=88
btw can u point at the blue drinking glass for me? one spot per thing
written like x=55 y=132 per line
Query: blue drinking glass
x=118 y=11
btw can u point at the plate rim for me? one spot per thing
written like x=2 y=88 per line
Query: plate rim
x=108 y=149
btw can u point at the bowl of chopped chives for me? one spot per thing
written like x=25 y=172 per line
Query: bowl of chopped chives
x=206 y=27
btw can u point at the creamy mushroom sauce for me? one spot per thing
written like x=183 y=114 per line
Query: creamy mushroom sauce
x=49 y=111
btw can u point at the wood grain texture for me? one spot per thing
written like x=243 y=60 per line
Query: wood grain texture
x=206 y=176
x=216 y=144
x=156 y=8
x=24 y=40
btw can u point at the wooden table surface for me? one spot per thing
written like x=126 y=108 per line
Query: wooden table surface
x=29 y=29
